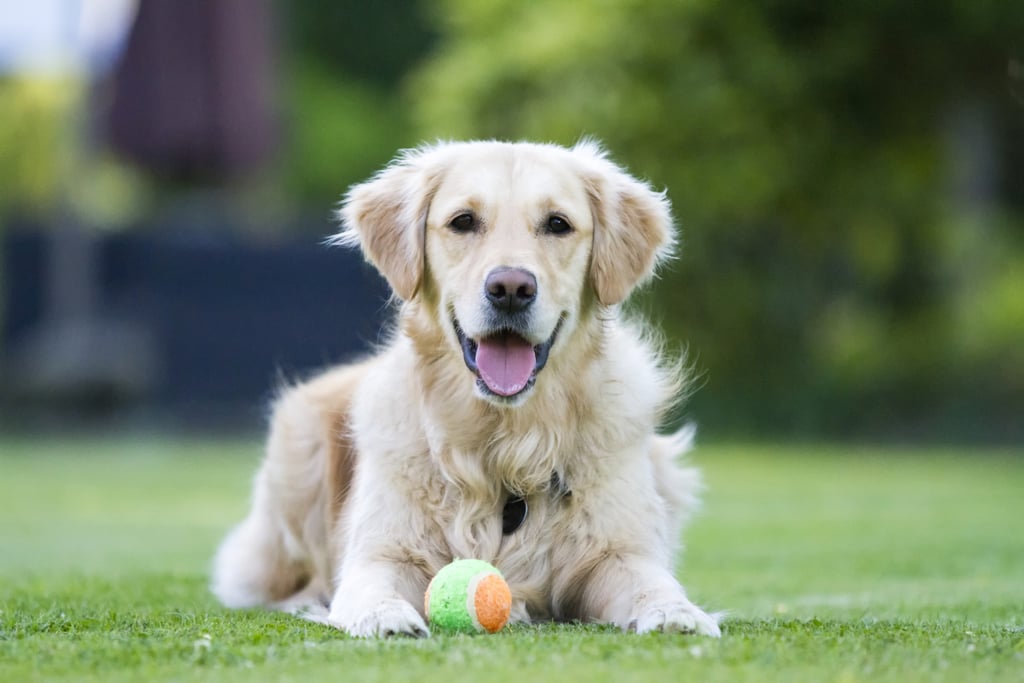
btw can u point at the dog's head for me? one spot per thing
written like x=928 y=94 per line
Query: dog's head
x=506 y=245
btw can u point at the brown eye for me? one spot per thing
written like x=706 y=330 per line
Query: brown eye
x=464 y=222
x=557 y=225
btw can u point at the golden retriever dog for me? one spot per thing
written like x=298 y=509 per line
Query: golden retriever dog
x=511 y=417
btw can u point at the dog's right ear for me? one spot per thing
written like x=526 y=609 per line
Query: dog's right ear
x=386 y=217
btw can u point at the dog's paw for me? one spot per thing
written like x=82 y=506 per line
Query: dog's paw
x=389 y=618
x=677 y=617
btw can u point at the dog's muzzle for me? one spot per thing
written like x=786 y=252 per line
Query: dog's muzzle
x=505 y=363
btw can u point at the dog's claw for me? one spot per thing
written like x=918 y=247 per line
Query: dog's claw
x=388 y=619
x=677 y=618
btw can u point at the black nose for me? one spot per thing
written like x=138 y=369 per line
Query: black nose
x=510 y=289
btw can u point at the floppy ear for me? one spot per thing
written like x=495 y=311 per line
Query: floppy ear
x=386 y=217
x=632 y=227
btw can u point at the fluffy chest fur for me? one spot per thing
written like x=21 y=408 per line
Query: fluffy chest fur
x=463 y=457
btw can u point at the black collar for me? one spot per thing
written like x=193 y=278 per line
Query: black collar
x=513 y=514
x=515 y=511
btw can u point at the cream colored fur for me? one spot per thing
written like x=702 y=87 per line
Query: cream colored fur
x=379 y=473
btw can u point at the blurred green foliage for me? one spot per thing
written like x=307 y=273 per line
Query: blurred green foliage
x=372 y=42
x=340 y=131
x=34 y=135
x=343 y=62
x=50 y=161
x=834 y=275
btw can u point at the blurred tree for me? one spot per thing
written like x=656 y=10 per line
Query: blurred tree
x=374 y=42
x=346 y=114
x=34 y=117
x=846 y=177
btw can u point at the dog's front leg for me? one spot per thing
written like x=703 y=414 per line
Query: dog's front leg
x=382 y=569
x=375 y=599
x=615 y=566
x=639 y=594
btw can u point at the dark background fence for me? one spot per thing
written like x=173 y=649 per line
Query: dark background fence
x=195 y=328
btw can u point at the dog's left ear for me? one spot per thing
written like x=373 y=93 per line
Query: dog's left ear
x=632 y=227
x=386 y=217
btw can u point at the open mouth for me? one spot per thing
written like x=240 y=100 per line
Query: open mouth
x=505 y=363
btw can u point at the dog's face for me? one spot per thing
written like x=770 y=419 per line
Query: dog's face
x=506 y=244
x=507 y=253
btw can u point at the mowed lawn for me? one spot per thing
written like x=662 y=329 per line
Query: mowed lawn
x=831 y=563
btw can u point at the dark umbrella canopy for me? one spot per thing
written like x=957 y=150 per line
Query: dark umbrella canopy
x=193 y=95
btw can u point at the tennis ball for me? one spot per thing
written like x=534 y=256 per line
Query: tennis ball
x=468 y=596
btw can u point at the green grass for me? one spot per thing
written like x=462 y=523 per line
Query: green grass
x=834 y=564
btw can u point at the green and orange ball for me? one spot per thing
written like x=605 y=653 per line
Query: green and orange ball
x=468 y=596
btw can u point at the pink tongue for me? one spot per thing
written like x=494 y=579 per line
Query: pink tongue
x=505 y=363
